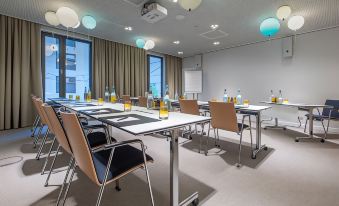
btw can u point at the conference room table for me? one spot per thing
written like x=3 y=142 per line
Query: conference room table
x=140 y=122
x=255 y=110
x=307 y=107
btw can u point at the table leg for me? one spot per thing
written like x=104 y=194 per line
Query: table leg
x=310 y=111
x=174 y=175
x=258 y=146
x=174 y=168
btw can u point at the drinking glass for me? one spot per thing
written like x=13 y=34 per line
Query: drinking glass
x=101 y=101
x=77 y=98
x=70 y=97
x=127 y=106
x=163 y=112
x=246 y=102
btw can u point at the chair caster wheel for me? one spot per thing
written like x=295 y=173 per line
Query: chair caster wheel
x=284 y=128
x=265 y=148
x=322 y=140
x=265 y=128
x=117 y=188
x=296 y=140
x=195 y=202
x=254 y=156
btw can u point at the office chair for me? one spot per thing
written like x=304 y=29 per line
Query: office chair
x=327 y=114
x=224 y=117
x=106 y=164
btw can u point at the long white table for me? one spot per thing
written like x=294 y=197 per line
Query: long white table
x=251 y=109
x=309 y=107
x=174 y=123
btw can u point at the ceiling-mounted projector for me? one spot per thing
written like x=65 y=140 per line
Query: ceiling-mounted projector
x=153 y=12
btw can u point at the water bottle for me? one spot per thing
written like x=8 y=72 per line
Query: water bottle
x=150 y=100
x=239 y=98
x=89 y=96
x=166 y=100
x=176 y=97
x=106 y=94
x=113 y=95
x=280 y=99
x=85 y=94
x=225 y=98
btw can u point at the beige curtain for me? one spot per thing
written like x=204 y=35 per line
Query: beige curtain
x=173 y=74
x=120 y=65
x=20 y=73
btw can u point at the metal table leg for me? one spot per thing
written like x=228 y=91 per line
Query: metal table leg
x=258 y=146
x=310 y=128
x=174 y=174
x=276 y=125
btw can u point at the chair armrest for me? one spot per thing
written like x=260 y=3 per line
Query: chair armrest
x=119 y=144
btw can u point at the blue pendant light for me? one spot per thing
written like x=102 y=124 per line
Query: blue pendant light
x=269 y=27
x=140 y=43
x=89 y=22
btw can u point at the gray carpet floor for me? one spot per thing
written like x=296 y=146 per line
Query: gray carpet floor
x=288 y=174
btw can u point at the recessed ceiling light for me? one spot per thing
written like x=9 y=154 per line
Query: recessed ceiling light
x=216 y=43
x=175 y=1
x=128 y=28
x=180 y=53
x=214 y=26
x=176 y=42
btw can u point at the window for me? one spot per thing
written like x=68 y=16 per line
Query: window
x=66 y=66
x=156 y=77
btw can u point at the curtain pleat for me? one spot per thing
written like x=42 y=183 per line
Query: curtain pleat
x=20 y=71
x=173 y=74
x=120 y=65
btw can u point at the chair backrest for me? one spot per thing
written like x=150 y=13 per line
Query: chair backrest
x=189 y=107
x=335 y=110
x=58 y=129
x=142 y=101
x=38 y=103
x=126 y=98
x=79 y=145
x=224 y=116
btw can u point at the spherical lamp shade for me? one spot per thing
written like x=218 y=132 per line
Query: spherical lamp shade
x=149 y=45
x=140 y=43
x=189 y=5
x=51 y=18
x=76 y=26
x=296 y=22
x=284 y=12
x=89 y=22
x=67 y=17
x=269 y=27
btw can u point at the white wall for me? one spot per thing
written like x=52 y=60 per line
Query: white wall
x=311 y=76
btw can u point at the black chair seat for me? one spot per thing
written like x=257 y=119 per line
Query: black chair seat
x=96 y=139
x=318 y=117
x=240 y=126
x=124 y=159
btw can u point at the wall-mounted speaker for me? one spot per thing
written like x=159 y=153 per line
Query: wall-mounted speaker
x=198 y=61
x=287 y=47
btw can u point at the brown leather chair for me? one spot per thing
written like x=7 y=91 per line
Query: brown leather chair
x=36 y=120
x=142 y=101
x=126 y=98
x=191 y=107
x=107 y=164
x=224 y=117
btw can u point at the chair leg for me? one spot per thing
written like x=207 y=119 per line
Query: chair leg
x=305 y=125
x=49 y=154
x=35 y=125
x=208 y=136
x=42 y=145
x=117 y=185
x=103 y=184
x=147 y=175
x=52 y=165
x=201 y=135
x=69 y=184
x=218 y=137
x=70 y=165
x=36 y=139
x=239 y=157
x=250 y=124
x=215 y=138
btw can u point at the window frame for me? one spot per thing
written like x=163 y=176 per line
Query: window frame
x=62 y=60
x=161 y=73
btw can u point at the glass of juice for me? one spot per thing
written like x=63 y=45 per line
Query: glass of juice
x=127 y=106
x=100 y=101
x=70 y=97
x=77 y=98
x=163 y=112
x=246 y=102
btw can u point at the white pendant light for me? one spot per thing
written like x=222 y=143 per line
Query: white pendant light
x=149 y=45
x=67 y=17
x=51 y=18
x=189 y=5
x=296 y=22
x=284 y=12
x=76 y=26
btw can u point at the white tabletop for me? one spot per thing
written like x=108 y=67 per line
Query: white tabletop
x=298 y=104
x=175 y=119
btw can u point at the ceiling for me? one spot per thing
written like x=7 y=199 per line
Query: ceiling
x=240 y=19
